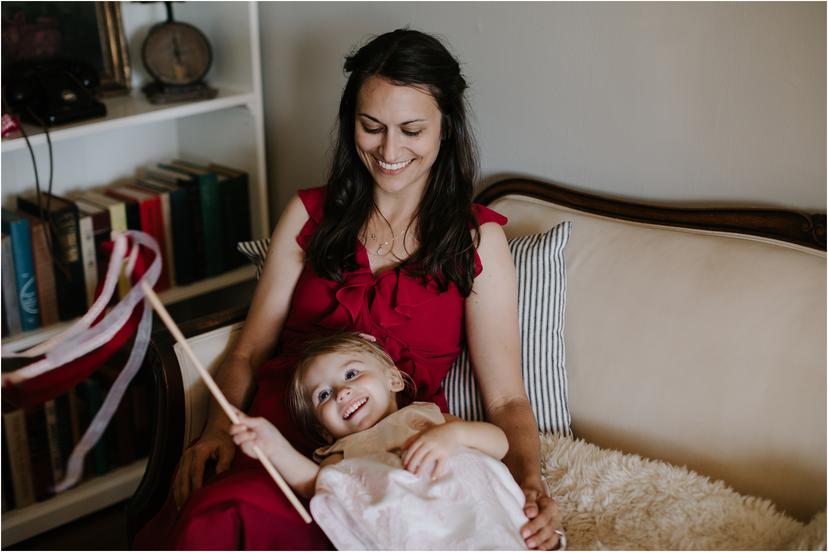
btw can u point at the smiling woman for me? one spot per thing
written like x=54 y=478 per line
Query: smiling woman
x=392 y=247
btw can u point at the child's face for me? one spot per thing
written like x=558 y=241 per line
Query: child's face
x=350 y=392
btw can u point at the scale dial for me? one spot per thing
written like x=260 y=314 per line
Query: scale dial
x=176 y=54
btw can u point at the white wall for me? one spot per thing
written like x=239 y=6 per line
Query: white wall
x=670 y=103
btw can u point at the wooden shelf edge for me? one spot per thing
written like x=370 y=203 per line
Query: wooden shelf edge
x=130 y=111
x=22 y=341
x=88 y=497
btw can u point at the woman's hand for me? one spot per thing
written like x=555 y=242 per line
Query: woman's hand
x=257 y=432
x=213 y=444
x=544 y=518
x=431 y=448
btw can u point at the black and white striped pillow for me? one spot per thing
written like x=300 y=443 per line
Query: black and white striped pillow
x=256 y=253
x=541 y=273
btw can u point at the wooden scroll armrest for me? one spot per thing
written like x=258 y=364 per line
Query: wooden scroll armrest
x=167 y=409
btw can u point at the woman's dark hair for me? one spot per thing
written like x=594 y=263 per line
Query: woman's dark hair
x=444 y=217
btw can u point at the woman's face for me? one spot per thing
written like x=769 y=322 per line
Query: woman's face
x=397 y=134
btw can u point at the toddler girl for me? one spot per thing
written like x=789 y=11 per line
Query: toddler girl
x=388 y=478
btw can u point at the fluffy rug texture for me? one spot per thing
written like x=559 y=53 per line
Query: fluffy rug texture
x=616 y=501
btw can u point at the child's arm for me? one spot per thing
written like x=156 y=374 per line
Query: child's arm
x=434 y=445
x=298 y=471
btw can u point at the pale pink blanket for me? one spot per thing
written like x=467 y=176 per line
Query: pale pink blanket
x=369 y=502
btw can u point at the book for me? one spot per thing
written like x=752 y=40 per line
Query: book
x=39 y=452
x=86 y=231
x=234 y=198
x=117 y=221
x=47 y=300
x=18 y=228
x=90 y=399
x=101 y=229
x=151 y=220
x=116 y=208
x=131 y=207
x=210 y=214
x=182 y=227
x=120 y=441
x=140 y=404
x=190 y=184
x=11 y=309
x=166 y=215
x=67 y=435
x=14 y=425
x=7 y=483
x=69 y=275
x=53 y=434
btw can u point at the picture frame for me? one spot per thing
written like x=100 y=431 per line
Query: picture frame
x=91 y=32
x=117 y=73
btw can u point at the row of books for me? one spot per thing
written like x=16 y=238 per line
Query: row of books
x=37 y=442
x=53 y=252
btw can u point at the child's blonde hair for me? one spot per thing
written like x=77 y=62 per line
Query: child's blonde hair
x=346 y=342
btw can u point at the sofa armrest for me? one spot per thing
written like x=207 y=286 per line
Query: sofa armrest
x=178 y=402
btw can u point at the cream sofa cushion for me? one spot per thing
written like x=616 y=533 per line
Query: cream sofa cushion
x=696 y=348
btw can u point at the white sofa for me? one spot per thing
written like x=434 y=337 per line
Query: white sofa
x=696 y=346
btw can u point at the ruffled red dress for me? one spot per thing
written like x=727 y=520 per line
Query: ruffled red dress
x=420 y=328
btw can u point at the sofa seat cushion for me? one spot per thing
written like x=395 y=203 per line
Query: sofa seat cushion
x=615 y=501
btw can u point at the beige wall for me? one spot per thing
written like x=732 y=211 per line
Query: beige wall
x=701 y=103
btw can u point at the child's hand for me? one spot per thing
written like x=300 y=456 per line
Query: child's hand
x=428 y=451
x=251 y=432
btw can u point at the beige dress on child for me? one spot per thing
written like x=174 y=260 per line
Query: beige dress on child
x=369 y=502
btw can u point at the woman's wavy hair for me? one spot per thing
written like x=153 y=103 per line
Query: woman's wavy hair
x=444 y=217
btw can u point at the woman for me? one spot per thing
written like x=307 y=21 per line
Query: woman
x=391 y=247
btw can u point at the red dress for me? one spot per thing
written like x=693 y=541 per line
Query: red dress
x=419 y=327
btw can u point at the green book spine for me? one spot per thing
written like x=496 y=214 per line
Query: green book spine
x=211 y=217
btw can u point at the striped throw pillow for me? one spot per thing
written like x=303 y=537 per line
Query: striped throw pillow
x=256 y=253
x=541 y=274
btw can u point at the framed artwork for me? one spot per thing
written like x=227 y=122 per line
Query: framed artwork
x=91 y=32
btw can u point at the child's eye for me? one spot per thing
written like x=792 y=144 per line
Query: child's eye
x=350 y=374
x=323 y=395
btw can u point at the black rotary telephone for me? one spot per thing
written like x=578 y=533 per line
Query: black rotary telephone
x=52 y=92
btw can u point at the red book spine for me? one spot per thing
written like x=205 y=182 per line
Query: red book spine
x=152 y=223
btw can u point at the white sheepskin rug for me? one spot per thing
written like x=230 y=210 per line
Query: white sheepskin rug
x=614 y=501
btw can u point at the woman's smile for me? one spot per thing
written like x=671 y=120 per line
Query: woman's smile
x=392 y=169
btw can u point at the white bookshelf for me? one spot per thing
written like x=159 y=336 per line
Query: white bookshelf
x=228 y=130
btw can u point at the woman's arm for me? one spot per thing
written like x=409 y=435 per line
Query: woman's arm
x=494 y=349
x=258 y=338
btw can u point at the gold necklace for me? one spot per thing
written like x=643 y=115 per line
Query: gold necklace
x=384 y=247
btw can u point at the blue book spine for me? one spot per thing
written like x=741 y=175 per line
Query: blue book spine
x=18 y=228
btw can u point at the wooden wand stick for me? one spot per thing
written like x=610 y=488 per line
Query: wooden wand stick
x=219 y=396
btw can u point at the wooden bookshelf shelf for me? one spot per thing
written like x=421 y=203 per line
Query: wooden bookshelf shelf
x=88 y=497
x=129 y=111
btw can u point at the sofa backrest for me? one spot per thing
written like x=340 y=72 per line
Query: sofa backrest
x=695 y=347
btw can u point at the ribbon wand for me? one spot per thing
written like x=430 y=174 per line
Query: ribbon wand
x=220 y=398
